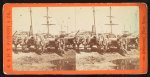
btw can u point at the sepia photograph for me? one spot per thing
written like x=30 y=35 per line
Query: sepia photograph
x=75 y=38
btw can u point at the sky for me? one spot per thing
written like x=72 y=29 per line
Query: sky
x=76 y=18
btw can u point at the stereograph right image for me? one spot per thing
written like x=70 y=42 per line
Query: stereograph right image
x=75 y=38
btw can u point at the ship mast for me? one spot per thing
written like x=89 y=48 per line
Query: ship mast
x=31 y=28
x=75 y=18
x=110 y=22
x=61 y=27
x=124 y=29
x=93 y=26
x=47 y=24
x=67 y=26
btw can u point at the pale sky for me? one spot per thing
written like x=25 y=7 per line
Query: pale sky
x=127 y=16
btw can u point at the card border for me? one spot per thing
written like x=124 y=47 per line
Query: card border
x=7 y=38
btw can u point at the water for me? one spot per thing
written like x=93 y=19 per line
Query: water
x=64 y=64
x=126 y=64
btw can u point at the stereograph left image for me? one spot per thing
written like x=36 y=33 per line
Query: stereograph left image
x=75 y=38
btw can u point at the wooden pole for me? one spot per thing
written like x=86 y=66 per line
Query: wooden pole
x=31 y=28
x=110 y=23
x=94 y=27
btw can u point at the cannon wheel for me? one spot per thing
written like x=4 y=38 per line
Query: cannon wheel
x=105 y=45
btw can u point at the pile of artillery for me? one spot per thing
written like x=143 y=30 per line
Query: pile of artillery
x=61 y=43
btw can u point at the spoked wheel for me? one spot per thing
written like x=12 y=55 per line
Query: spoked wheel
x=24 y=47
x=15 y=49
x=100 y=48
x=105 y=45
x=66 y=48
x=85 y=46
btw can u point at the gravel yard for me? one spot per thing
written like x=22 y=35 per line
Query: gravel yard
x=72 y=60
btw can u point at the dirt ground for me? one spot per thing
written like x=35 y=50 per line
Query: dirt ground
x=72 y=60
x=107 y=61
x=45 y=61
